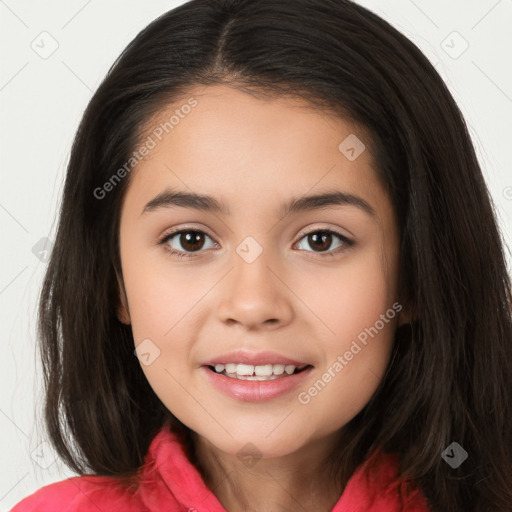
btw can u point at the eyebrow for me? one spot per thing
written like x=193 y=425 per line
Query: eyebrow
x=173 y=198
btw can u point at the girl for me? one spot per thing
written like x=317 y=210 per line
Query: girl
x=277 y=282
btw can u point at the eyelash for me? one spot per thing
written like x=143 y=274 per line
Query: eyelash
x=180 y=254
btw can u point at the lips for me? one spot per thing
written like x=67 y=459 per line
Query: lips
x=254 y=359
x=255 y=376
x=253 y=389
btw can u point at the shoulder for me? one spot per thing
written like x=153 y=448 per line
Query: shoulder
x=377 y=486
x=81 y=494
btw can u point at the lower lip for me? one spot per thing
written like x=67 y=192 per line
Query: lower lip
x=256 y=390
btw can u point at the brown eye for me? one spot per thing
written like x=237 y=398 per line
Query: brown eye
x=321 y=241
x=191 y=240
x=180 y=243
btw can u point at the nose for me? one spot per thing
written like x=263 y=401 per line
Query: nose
x=254 y=295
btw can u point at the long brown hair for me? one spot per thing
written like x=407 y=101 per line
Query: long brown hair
x=450 y=376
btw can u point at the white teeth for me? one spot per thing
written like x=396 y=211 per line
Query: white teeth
x=231 y=368
x=252 y=371
x=263 y=371
x=245 y=369
x=278 y=369
x=251 y=377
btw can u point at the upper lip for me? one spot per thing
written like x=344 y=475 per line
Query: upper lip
x=254 y=358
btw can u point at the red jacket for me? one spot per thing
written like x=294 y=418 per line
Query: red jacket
x=170 y=482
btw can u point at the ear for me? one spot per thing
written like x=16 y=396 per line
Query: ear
x=123 y=313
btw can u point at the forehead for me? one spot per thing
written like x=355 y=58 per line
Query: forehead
x=231 y=143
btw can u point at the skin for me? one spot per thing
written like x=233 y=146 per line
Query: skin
x=255 y=154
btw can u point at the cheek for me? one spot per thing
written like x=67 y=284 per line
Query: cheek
x=156 y=308
x=359 y=341
x=160 y=312
x=164 y=308
x=352 y=298
x=162 y=294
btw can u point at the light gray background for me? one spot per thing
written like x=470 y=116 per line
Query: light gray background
x=42 y=98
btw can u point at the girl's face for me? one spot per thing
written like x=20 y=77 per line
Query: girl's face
x=317 y=285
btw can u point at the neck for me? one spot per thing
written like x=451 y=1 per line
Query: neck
x=297 y=481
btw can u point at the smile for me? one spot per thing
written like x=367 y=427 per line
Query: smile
x=242 y=383
x=256 y=372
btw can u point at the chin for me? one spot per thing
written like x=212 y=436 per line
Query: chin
x=248 y=441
